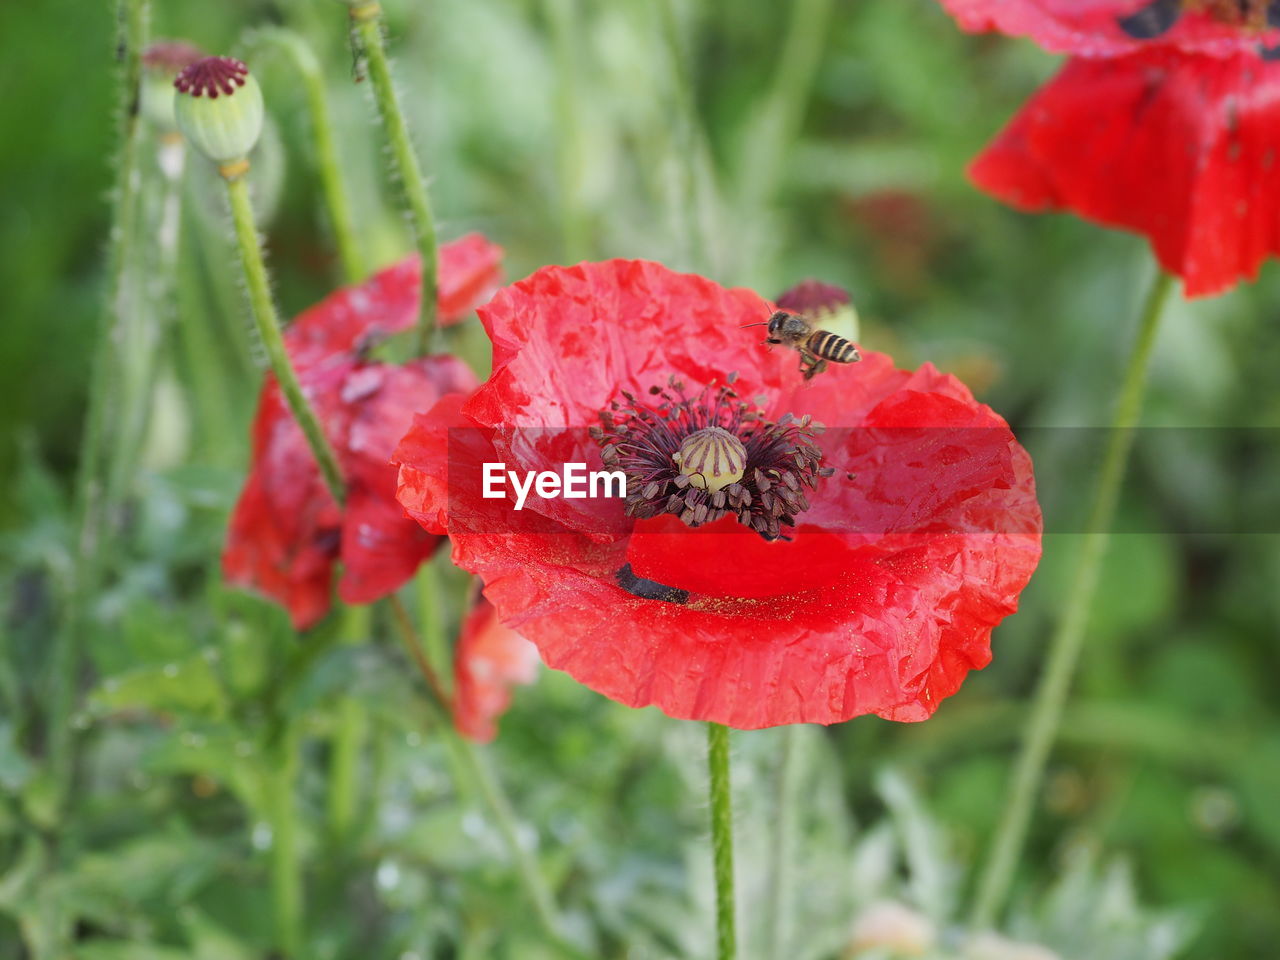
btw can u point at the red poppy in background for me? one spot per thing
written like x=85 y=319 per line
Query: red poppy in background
x=490 y=659
x=286 y=531
x=1166 y=122
x=759 y=571
x=1110 y=28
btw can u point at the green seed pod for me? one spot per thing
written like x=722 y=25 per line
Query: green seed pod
x=219 y=109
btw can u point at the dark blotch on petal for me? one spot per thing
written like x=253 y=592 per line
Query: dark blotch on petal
x=1153 y=20
x=649 y=589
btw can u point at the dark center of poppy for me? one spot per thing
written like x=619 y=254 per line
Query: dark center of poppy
x=212 y=77
x=702 y=457
x=1250 y=14
x=1158 y=17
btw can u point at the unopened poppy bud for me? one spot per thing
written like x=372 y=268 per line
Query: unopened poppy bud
x=219 y=109
x=163 y=61
x=712 y=459
x=822 y=304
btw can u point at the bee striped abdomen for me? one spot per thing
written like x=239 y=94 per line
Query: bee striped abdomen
x=828 y=346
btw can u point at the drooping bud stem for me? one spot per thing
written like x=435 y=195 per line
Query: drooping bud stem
x=366 y=20
x=712 y=459
x=226 y=136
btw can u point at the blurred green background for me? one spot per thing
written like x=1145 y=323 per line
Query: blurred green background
x=829 y=138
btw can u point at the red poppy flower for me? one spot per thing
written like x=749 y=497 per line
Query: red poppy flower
x=1179 y=147
x=490 y=659
x=286 y=531
x=1174 y=137
x=1108 y=28
x=757 y=572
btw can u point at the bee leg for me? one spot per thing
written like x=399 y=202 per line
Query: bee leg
x=816 y=366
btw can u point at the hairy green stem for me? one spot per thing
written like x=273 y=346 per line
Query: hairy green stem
x=337 y=200
x=721 y=798
x=431 y=615
x=1068 y=638
x=473 y=768
x=367 y=20
x=90 y=503
x=349 y=735
x=279 y=785
x=264 y=315
x=778 y=905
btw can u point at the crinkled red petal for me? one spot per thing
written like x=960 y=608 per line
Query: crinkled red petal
x=931 y=543
x=287 y=533
x=470 y=273
x=489 y=660
x=1178 y=147
x=1091 y=28
x=387 y=303
x=283 y=534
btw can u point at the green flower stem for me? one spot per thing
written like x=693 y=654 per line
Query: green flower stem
x=349 y=735
x=778 y=906
x=264 y=314
x=337 y=201
x=431 y=615
x=472 y=768
x=279 y=784
x=1068 y=639
x=721 y=798
x=91 y=508
x=367 y=20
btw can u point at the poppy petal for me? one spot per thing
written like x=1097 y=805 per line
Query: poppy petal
x=1178 y=147
x=489 y=660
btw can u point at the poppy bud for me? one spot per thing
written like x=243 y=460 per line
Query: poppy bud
x=163 y=61
x=220 y=109
x=824 y=305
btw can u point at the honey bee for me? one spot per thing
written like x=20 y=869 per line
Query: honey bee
x=817 y=347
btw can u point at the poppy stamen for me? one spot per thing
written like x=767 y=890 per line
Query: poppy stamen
x=709 y=455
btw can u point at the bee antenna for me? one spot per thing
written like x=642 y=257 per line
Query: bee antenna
x=762 y=323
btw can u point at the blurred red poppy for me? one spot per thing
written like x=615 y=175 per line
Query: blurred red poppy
x=1173 y=133
x=1179 y=147
x=286 y=531
x=1108 y=28
x=490 y=659
x=759 y=571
